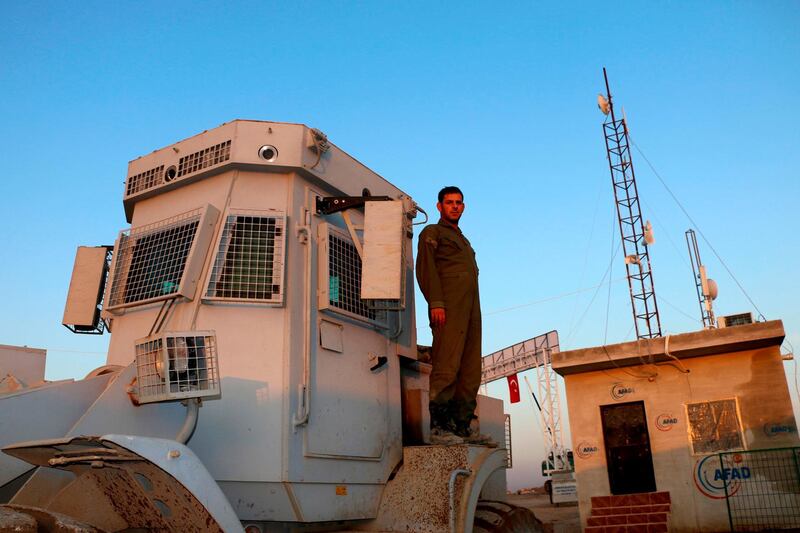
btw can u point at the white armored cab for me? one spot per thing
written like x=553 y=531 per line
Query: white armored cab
x=263 y=369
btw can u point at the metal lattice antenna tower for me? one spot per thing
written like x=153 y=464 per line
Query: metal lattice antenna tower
x=631 y=225
x=706 y=288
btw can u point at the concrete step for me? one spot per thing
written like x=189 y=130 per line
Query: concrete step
x=634 y=509
x=630 y=513
x=636 y=528
x=628 y=519
x=630 y=500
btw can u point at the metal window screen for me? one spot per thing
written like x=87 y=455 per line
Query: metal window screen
x=249 y=260
x=149 y=260
x=145 y=180
x=208 y=157
x=714 y=426
x=177 y=366
x=191 y=363
x=148 y=366
x=344 y=278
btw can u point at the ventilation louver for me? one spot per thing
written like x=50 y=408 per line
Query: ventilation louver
x=176 y=366
x=213 y=155
x=740 y=319
x=145 y=180
x=158 y=176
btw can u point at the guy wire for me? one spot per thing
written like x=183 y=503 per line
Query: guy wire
x=714 y=251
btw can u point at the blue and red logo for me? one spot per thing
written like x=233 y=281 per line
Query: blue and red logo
x=713 y=478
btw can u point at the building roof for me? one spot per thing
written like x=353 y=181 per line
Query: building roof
x=662 y=349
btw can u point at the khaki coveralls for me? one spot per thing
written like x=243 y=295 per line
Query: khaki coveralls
x=448 y=277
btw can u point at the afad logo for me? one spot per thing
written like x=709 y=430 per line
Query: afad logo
x=772 y=429
x=665 y=422
x=712 y=476
x=619 y=391
x=585 y=449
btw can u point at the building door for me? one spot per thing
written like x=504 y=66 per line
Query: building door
x=628 y=456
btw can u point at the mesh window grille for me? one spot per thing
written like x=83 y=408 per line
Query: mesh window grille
x=344 y=277
x=714 y=426
x=176 y=366
x=208 y=157
x=249 y=259
x=149 y=260
x=148 y=366
x=145 y=180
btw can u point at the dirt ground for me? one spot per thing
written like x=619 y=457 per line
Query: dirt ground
x=563 y=518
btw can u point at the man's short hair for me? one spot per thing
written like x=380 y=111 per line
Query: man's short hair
x=450 y=189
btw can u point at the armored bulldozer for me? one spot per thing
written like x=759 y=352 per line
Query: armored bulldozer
x=263 y=373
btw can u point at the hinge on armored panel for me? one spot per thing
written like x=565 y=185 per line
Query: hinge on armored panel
x=635 y=234
x=333 y=204
x=340 y=204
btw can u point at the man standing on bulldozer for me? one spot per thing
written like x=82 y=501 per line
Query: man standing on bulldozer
x=448 y=277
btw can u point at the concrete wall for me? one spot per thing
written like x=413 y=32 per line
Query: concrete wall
x=25 y=364
x=754 y=377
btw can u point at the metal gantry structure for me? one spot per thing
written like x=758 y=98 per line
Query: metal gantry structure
x=535 y=353
x=631 y=224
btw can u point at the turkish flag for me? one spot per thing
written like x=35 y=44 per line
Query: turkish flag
x=513 y=387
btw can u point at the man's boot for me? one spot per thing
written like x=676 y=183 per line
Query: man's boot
x=442 y=425
x=469 y=430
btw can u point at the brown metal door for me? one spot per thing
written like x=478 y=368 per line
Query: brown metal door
x=627 y=442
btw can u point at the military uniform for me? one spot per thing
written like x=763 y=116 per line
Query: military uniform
x=448 y=277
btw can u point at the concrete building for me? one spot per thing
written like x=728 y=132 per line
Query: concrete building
x=20 y=367
x=649 y=418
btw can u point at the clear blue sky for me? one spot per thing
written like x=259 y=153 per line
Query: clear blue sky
x=499 y=100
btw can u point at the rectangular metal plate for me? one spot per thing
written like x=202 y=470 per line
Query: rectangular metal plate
x=84 y=288
x=383 y=251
